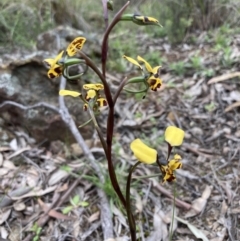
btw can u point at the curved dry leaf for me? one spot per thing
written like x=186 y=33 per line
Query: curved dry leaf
x=199 y=204
x=57 y=176
x=37 y=191
x=207 y=192
x=4 y=215
x=19 y=206
x=197 y=233
x=8 y=164
x=232 y=106
x=7 y=200
x=160 y=227
x=53 y=213
x=223 y=77
x=94 y=217
x=20 y=151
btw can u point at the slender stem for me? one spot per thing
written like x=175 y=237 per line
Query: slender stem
x=92 y=65
x=105 y=12
x=131 y=220
x=122 y=84
x=108 y=150
x=115 y=20
x=110 y=122
x=104 y=144
x=169 y=151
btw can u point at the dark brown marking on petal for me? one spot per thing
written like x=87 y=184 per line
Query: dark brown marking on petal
x=58 y=70
x=51 y=75
x=85 y=107
x=146 y=20
x=105 y=103
x=152 y=82
x=171 y=178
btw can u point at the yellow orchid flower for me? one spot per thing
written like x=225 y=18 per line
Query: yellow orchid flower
x=153 y=79
x=174 y=136
x=154 y=83
x=142 y=152
x=75 y=45
x=100 y=102
x=168 y=170
x=55 y=69
x=140 y=20
x=144 y=20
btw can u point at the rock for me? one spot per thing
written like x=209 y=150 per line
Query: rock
x=23 y=79
x=59 y=37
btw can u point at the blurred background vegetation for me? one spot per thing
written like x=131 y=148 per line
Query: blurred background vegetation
x=21 y=21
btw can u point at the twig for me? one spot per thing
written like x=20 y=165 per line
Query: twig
x=119 y=90
x=179 y=203
x=23 y=107
x=106 y=217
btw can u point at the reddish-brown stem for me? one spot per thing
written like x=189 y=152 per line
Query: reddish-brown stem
x=105 y=37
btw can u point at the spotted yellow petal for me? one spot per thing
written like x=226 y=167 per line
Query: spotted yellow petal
x=69 y=92
x=93 y=87
x=52 y=62
x=154 y=83
x=55 y=71
x=90 y=94
x=174 y=136
x=147 y=65
x=102 y=102
x=145 y=20
x=133 y=61
x=143 y=153
x=85 y=107
x=174 y=164
x=75 y=45
x=151 y=19
x=169 y=177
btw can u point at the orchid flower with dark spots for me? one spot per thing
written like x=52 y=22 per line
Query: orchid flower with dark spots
x=152 y=77
x=140 y=19
x=55 y=69
x=75 y=45
x=148 y=155
x=91 y=94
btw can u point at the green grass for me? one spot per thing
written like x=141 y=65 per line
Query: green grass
x=176 y=16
